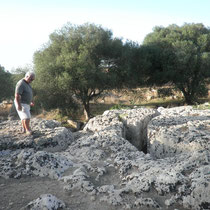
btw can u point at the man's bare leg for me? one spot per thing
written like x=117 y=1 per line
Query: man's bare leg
x=27 y=125
x=23 y=124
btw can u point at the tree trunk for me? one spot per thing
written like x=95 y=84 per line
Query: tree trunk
x=188 y=96
x=189 y=99
x=87 y=111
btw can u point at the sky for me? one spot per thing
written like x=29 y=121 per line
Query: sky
x=25 y=25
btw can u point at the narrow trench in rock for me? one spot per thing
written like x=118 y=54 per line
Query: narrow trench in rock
x=137 y=134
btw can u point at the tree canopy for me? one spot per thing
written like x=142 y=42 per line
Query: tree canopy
x=183 y=58
x=79 y=61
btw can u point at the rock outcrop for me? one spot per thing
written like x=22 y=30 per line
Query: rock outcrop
x=46 y=201
x=128 y=159
x=46 y=135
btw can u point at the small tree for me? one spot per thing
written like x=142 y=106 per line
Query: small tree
x=79 y=61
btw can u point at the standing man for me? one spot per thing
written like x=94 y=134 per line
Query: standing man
x=23 y=101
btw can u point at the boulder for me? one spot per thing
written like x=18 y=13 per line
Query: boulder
x=45 y=201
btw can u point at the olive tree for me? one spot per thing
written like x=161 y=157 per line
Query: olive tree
x=78 y=62
x=183 y=58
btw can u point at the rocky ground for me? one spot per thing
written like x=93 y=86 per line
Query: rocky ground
x=124 y=159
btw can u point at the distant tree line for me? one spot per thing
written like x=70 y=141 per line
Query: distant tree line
x=6 y=84
x=80 y=62
x=8 y=81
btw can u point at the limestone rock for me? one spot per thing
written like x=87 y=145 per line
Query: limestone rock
x=179 y=130
x=46 y=201
x=108 y=162
x=46 y=134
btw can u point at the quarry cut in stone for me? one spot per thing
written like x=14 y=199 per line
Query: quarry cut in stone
x=134 y=124
x=105 y=160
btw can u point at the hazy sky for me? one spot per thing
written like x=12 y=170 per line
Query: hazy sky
x=25 y=25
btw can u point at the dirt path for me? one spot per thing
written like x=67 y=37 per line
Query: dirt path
x=17 y=193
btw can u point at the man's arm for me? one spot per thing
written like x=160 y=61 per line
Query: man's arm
x=17 y=100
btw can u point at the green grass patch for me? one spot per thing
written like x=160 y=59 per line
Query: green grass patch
x=202 y=106
x=167 y=103
x=121 y=106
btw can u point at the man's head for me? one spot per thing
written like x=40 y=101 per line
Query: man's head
x=29 y=76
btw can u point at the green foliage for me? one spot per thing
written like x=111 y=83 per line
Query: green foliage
x=77 y=64
x=183 y=58
x=202 y=106
x=8 y=81
x=6 y=84
x=119 y=106
x=19 y=73
x=156 y=64
x=130 y=66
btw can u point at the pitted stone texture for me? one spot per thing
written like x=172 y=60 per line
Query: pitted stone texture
x=179 y=130
x=199 y=197
x=45 y=201
x=102 y=164
x=133 y=124
x=15 y=164
x=139 y=173
x=47 y=134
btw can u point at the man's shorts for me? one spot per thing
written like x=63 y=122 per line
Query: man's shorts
x=25 y=112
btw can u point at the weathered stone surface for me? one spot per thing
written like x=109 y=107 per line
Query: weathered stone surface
x=47 y=135
x=104 y=160
x=179 y=130
x=133 y=123
x=46 y=201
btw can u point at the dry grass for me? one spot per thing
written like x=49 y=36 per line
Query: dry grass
x=5 y=109
x=99 y=108
x=142 y=97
